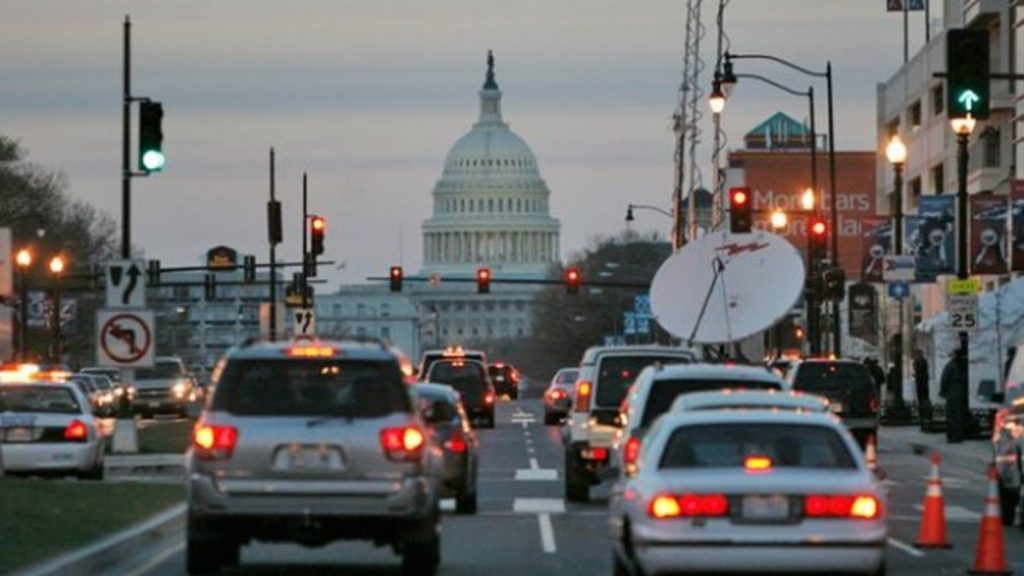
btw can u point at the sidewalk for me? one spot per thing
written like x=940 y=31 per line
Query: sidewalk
x=970 y=454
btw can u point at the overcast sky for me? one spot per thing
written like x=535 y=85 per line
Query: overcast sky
x=368 y=96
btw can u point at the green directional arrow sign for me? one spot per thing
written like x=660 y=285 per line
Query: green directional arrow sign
x=969 y=98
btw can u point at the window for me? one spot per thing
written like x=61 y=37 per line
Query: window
x=914 y=192
x=938 y=179
x=490 y=204
x=385 y=332
x=726 y=445
x=385 y=309
x=914 y=115
x=991 y=156
x=938 y=100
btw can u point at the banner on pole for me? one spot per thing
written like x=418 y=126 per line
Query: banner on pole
x=863 y=312
x=933 y=242
x=875 y=240
x=1017 y=221
x=988 y=235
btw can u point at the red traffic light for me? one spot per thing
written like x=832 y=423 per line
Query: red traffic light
x=483 y=280
x=818 y=227
x=572 y=279
x=318 y=224
x=396 y=278
x=739 y=196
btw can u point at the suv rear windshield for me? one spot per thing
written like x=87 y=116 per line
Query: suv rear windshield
x=349 y=388
x=49 y=399
x=161 y=371
x=664 y=392
x=727 y=445
x=618 y=372
x=822 y=376
x=429 y=359
x=469 y=378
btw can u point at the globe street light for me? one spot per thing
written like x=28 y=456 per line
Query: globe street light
x=807 y=200
x=717 y=98
x=23 y=259
x=779 y=219
x=56 y=269
x=896 y=153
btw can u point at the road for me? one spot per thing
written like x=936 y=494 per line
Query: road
x=524 y=526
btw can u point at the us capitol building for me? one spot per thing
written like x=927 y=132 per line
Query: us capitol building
x=490 y=209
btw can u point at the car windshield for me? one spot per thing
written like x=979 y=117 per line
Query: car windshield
x=664 y=392
x=48 y=399
x=161 y=371
x=566 y=378
x=825 y=376
x=618 y=372
x=728 y=446
x=350 y=388
x=468 y=378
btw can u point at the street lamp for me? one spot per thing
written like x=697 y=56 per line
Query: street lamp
x=779 y=219
x=56 y=269
x=717 y=98
x=807 y=200
x=631 y=207
x=896 y=153
x=957 y=402
x=23 y=259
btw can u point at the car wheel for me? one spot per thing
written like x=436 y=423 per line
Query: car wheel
x=881 y=570
x=94 y=473
x=465 y=502
x=1008 y=504
x=577 y=480
x=421 y=557
x=205 y=557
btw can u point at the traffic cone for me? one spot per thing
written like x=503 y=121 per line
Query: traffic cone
x=871 y=455
x=933 y=521
x=989 y=557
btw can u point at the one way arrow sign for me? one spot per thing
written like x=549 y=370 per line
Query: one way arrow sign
x=125 y=288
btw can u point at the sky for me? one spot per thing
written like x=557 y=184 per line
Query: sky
x=368 y=96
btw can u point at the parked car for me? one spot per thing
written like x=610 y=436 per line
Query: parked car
x=558 y=396
x=441 y=408
x=469 y=378
x=605 y=373
x=1008 y=438
x=49 y=428
x=164 y=388
x=659 y=385
x=505 y=379
x=330 y=431
x=849 y=387
x=744 y=491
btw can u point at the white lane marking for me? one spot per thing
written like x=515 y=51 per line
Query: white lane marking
x=526 y=433
x=547 y=534
x=545 y=474
x=529 y=440
x=157 y=560
x=526 y=425
x=530 y=450
x=533 y=464
x=889 y=483
x=956 y=513
x=538 y=506
x=447 y=505
x=904 y=547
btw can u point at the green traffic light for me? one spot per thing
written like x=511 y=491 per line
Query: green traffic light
x=153 y=160
x=968 y=98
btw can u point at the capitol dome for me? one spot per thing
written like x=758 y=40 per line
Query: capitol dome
x=490 y=204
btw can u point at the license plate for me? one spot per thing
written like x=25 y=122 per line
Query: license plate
x=18 y=435
x=154 y=404
x=308 y=459
x=765 y=507
x=835 y=407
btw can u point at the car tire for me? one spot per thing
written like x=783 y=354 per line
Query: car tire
x=1008 y=504
x=881 y=571
x=577 y=480
x=466 y=502
x=550 y=419
x=421 y=557
x=205 y=557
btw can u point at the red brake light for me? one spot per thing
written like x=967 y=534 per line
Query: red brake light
x=689 y=505
x=457 y=443
x=213 y=442
x=631 y=451
x=489 y=398
x=76 y=431
x=842 y=506
x=583 y=391
x=402 y=443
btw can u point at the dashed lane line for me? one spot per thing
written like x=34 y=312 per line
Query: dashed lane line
x=547 y=533
x=905 y=548
x=540 y=474
x=533 y=464
x=538 y=506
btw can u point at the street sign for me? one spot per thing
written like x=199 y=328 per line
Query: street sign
x=642 y=305
x=967 y=286
x=304 y=322
x=898 y=268
x=125 y=338
x=963 y=312
x=125 y=289
x=899 y=290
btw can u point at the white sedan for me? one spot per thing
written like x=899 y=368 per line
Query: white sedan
x=48 y=428
x=749 y=491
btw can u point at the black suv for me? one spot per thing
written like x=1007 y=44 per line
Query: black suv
x=849 y=387
x=505 y=379
x=470 y=380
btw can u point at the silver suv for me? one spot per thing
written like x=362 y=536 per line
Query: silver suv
x=311 y=443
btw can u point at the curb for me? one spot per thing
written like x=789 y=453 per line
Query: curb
x=94 y=557
x=952 y=457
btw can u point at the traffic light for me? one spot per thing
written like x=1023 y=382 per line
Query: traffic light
x=572 y=280
x=740 y=200
x=967 y=81
x=835 y=284
x=151 y=137
x=317 y=227
x=153 y=271
x=483 y=280
x=817 y=228
x=309 y=265
x=249 y=275
x=396 y=278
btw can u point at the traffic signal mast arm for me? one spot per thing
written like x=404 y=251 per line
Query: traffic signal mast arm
x=495 y=280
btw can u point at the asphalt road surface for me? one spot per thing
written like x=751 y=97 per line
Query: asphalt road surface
x=524 y=526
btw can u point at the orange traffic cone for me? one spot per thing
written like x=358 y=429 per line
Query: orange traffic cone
x=933 y=521
x=989 y=557
x=871 y=455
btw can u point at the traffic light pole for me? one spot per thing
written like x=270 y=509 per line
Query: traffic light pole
x=305 y=247
x=957 y=417
x=126 y=172
x=271 y=226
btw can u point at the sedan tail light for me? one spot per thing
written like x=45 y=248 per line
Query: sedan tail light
x=583 y=391
x=864 y=507
x=212 y=442
x=489 y=398
x=402 y=443
x=456 y=444
x=76 y=431
x=689 y=506
x=631 y=452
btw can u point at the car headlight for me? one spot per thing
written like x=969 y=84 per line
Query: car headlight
x=119 y=391
x=179 y=389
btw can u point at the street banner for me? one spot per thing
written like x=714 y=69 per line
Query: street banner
x=40 y=310
x=934 y=243
x=897 y=5
x=1017 y=221
x=864 y=312
x=988 y=235
x=875 y=238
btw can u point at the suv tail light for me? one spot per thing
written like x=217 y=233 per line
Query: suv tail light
x=631 y=451
x=688 y=506
x=873 y=403
x=212 y=442
x=76 y=431
x=584 y=388
x=842 y=506
x=456 y=444
x=402 y=443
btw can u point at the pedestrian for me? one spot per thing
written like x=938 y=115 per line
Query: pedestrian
x=894 y=385
x=922 y=384
x=876 y=371
x=953 y=387
x=1011 y=353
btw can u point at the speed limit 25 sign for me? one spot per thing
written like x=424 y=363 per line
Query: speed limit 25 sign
x=963 y=312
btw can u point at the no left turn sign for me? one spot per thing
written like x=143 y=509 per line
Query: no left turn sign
x=124 y=339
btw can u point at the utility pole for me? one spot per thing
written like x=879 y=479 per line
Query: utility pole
x=274 y=238
x=126 y=140
x=305 y=247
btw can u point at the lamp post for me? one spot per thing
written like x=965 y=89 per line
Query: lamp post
x=56 y=269
x=23 y=259
x=957 y=409
x=896 y=153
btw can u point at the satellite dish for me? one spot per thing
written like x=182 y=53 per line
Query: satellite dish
x=724 y=287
